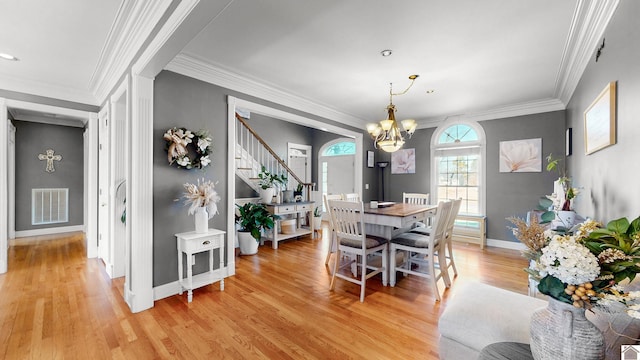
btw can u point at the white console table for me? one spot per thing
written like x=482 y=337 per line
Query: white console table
x=289 y=208
x=191 y=243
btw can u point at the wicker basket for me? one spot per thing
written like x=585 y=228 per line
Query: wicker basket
x=288 y=226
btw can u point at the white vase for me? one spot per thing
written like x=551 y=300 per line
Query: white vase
x=267 y=195
x=565 y=219
x=248 y=245
x=202 y=220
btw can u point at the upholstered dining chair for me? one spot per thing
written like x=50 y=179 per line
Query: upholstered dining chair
x=349 y=227
x=421 y=251
x=332 y=234
x=351 y=197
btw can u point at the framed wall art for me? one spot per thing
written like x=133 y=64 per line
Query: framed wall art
x=521 y=155
x=370 y=159
x=403 y=161
x=600 y=121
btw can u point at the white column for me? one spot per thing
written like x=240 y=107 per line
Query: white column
x=140 y=196
x=4 y=141
x=91 y=171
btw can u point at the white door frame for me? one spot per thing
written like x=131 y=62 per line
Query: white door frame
x=307 y=149
x=233 y=103
x=104 y=223
x=90 y=174
x=11 y=178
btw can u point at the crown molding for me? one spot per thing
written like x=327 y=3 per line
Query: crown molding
x=507 y=111
x=197 y=68
x=589 y=22
x=40 y=88
x=134 y=22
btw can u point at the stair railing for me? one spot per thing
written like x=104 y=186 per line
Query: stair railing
x=259 y=150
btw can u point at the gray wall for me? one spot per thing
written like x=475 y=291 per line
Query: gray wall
x=609 y=177
x=33 y=139
x=419 y=182
x=513 y=194
x=185 y=102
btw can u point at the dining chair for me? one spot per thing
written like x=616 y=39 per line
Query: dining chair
x=421 y=251
x=351 y=197
x=448 y=250
x=332 y=234
x=348 y=222
x=415 y=198
x=418 y=199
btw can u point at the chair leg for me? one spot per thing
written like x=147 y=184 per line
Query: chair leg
x=335 y=270
x=451 y=263
x=434 y=279
x=363 y=279
x=385 y=265
x=392 y=266
x=444 y=267
x=332 y=243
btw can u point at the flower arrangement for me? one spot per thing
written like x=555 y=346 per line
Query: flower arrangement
x=202 y=194
x=585 y=266
x=179 y=140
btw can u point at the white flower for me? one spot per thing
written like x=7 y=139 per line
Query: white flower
x=203 y=143
x=569 y=261
x=204 y=161
x=183 y=161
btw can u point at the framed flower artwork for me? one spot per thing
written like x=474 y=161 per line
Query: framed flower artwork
x=521 y=155
x=403 y=161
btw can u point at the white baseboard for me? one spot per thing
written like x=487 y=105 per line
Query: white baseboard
x=506 y=244
x=166 y=290
x=49 y=231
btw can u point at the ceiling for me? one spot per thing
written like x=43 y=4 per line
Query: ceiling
x=475 y=55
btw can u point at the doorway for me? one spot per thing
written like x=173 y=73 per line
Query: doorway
x=337 y=168
x=299 y=161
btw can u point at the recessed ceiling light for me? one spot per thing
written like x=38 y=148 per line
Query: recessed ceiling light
x=8 y=57
x=386 y=53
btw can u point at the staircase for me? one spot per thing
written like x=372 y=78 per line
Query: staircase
x=252 y=153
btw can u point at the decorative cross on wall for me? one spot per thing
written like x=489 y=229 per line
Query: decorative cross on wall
x=50 y=157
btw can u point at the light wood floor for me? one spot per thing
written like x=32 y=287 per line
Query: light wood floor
x=56 y=304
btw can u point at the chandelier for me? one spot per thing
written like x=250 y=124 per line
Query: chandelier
x=386 y=134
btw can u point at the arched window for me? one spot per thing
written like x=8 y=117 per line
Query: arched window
x=457 y=151
x=340 y=149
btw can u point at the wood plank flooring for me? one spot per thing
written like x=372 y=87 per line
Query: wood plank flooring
x=57 y=304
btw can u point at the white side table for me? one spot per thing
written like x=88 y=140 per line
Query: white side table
x=192 y=243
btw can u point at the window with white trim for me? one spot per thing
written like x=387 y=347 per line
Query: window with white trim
x=457 y=150
x=49 y=206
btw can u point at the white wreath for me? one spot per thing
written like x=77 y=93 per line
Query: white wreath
x=180 y=140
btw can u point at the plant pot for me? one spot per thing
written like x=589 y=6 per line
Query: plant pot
x=561 y=331
x=267 y=195
x=317 y=222
x=287 y=196
x=565 y=219
x=248 y=245
x=297 y=195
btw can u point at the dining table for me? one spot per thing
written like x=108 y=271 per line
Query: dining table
x=393 y=218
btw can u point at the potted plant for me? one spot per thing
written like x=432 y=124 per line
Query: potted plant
x=317 y=218
x=267 y=182
x=252 y=218
x=298 y=192
x=563 y=194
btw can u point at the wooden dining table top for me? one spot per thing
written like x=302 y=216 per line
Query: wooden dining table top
x=399 y=209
